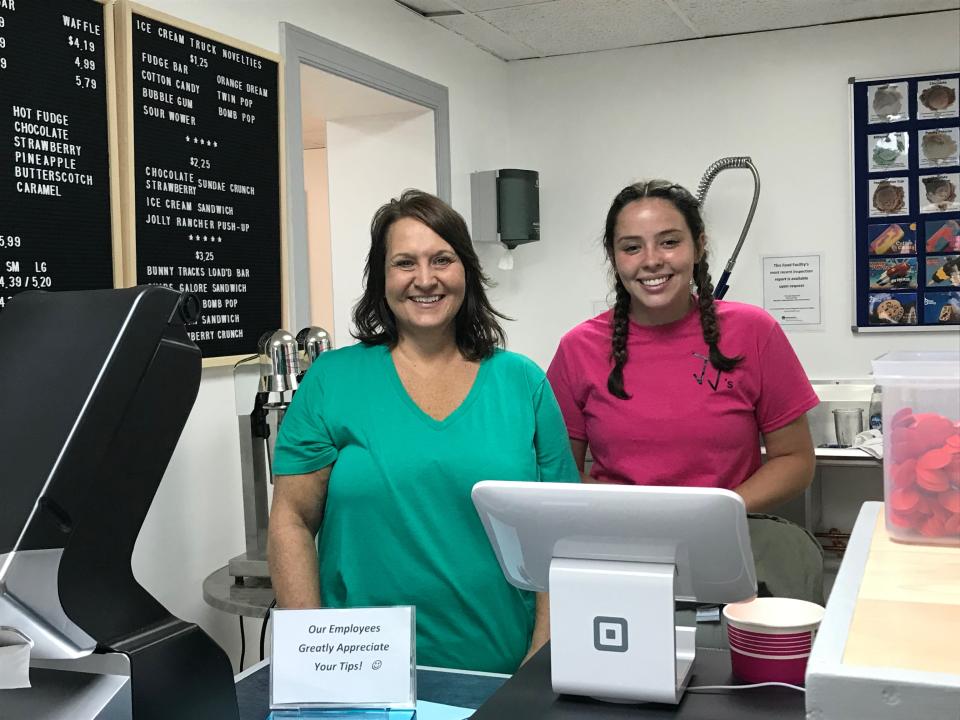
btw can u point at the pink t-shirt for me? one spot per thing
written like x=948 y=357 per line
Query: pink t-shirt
x=686 y=422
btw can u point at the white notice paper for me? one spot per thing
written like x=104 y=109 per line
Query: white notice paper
x=791 y=289
x=361 y=657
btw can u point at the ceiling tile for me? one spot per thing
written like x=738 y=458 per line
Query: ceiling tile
x=481 y=5
x=427 y=6
x=713 y=17
x=572 y=26
x=484 y=35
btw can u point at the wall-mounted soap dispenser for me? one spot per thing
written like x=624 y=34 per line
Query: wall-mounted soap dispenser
x=505 y=206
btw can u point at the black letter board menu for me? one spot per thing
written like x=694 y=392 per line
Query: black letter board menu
x=906 y=176
x=55 y=212
x=205 y=174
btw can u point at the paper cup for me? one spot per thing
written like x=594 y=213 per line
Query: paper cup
x=771 y=638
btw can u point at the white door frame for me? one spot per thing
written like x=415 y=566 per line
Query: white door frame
x=299 y=46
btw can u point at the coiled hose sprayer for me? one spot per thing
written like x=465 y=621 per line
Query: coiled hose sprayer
x=715 y=169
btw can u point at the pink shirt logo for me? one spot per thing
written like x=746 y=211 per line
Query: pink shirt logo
x=715 y=383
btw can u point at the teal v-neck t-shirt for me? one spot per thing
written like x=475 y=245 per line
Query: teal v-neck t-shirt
x=399 y=527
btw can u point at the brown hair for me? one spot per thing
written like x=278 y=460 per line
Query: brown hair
x=477 y=331
x=687 y=206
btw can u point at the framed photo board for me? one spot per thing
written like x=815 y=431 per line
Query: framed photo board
x=906 y=197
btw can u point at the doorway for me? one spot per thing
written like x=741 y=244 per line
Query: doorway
x=361 y=146
x=357 y=133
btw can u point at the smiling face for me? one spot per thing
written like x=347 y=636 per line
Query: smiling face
x=654 y=253
x=425 y=280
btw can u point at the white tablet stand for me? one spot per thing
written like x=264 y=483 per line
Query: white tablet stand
x=614 y=560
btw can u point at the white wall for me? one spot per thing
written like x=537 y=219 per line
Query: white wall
x=370 y=160
x=594 y=122
x=196 y=524
x=317 y=189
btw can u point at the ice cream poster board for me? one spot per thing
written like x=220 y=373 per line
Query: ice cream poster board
x=201 y=174
x=905 y=135
x=57 y=135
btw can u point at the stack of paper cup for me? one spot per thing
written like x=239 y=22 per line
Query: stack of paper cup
x=770 y=638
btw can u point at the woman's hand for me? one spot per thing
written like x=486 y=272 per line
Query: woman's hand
x=579 y=450
x=295 y=516
x=541 y=626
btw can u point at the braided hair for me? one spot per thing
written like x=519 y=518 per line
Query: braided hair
x=687 y=206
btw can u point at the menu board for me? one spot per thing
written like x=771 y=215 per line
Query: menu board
x=202 y=135
x=55 y=212
x=906 y=190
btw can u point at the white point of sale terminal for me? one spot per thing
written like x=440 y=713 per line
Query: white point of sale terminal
x=614 y=559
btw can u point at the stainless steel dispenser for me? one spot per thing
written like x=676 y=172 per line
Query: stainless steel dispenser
x=312 y=341
x=264 y=385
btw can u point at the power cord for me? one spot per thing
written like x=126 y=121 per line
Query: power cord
x=243 y=643
x=263 y=627
x=697 y=688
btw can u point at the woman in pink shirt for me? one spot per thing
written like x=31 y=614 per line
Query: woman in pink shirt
x=672 y=387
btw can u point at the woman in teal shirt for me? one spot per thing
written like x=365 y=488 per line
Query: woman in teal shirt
x=385 y=439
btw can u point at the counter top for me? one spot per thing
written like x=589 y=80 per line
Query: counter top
x=887 y=646
x=459 y=688
x=841 y=457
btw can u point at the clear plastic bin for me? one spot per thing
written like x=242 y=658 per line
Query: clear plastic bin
x=921 y=445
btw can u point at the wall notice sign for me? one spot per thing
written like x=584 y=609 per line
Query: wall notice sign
x=361 y=657
x=791 y=289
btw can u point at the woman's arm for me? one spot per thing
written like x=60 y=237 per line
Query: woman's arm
x=579 y=449
x=541 y=626
x=787 y=472
x=295 y=516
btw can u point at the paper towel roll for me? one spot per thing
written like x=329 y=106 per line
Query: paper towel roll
x=14 y=659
